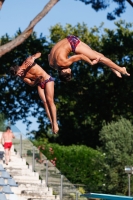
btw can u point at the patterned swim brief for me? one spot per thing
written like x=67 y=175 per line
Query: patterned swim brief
x=74 y=41
x=43 y=84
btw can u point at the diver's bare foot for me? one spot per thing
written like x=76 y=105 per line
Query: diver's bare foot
x=55 y=128
x=117 y=73
x=124 y=72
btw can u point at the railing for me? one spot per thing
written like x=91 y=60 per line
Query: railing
x=47 y=171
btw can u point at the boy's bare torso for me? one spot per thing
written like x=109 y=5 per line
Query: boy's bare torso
x=8 y=136
x=34 y=71
x=59 y=54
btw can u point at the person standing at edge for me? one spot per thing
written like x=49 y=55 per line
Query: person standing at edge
x=6 y=140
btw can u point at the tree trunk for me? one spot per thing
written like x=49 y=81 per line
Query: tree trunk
x=1 y=3
x=27 y=32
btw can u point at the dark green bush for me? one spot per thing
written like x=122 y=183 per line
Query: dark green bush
x=80 y=164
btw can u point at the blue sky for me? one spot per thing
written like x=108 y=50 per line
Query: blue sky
x=18 y=14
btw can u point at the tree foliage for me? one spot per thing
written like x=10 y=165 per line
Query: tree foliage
x=117 y=145
x=103 y=4
x=21 y=100
x=94 y=95
x=80 y=164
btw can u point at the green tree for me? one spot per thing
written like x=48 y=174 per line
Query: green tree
x=80 y=164
x=18 y=100
x=94 y=95
x=117 y=145
x=102 y=5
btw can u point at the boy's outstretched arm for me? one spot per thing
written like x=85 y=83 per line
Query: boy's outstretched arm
x=37 y=55
x=30 y=60
x=78 y=57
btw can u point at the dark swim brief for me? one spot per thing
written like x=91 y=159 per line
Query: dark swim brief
x=74 y=41
x=43 y=84
x=7 y=145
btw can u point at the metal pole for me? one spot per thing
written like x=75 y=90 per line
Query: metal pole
x=61 y=188
x=129 y=193
x=21 y=145
x=76 y=195
x=46 y=173
x=9 y=123
x=33 y=160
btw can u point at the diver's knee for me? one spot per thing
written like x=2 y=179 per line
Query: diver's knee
x=50 y=101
